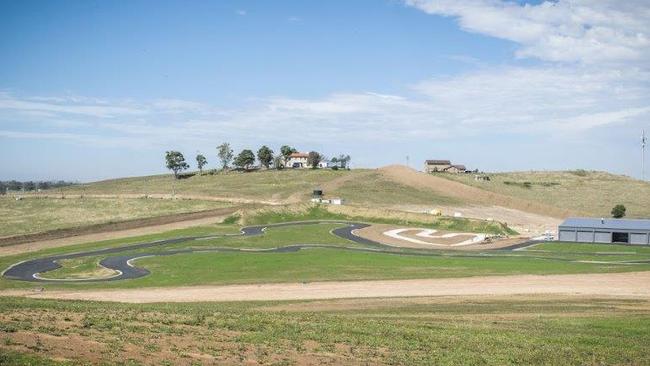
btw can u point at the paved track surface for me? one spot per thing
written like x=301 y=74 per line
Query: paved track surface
x=30 y=270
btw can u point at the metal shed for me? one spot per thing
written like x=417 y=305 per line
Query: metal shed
x=590 y=230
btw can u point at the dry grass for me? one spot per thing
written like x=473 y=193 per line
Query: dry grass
x=32 y=215
x=583 y=192
x=271 y=185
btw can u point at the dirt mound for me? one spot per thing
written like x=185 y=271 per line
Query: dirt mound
x=471 y=195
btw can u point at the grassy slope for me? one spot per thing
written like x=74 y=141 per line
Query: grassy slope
x=513 y=331
x=33 y=215
x=586 y=193
x=262 y=185
x=267 y=216
x=358 y=186
x=375 y=190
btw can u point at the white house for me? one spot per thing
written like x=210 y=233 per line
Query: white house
x=297 y=160
x=300 y=160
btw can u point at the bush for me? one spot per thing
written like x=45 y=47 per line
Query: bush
x=579 y=172
x=232 y=219
x=618 y=211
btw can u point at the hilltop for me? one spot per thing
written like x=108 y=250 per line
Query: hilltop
x=531 y=202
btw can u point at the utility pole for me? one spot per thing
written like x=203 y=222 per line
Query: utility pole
x=643 y=142
x=407 y=161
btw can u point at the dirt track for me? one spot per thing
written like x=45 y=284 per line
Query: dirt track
x=469 y=194
x=631 y=285
x=108 y=235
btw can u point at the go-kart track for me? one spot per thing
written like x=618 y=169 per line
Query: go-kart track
x=31 y=270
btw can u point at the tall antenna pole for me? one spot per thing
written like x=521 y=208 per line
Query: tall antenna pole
x=643 y=142
x=407 y=161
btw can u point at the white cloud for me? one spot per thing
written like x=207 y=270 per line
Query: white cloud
x=74 y=106
x=585 y=31
x=527 y=101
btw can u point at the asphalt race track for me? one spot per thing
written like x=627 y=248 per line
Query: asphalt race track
x=30 y=270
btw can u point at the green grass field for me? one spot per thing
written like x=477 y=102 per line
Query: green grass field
x=585 y=192
x=320 y=264
x=491 y=331
x=33 y=215
x=480 y=330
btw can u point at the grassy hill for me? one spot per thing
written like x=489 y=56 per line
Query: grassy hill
x=36 y=215
x=551 y=194
x=583 y=192
x=358 y=186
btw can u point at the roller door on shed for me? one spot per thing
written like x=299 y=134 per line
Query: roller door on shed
x=636 y=238
x=586 y=236
x=602 y=237
x=567 y=235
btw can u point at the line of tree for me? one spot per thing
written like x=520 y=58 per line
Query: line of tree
x=245 y=160
x=27 y=186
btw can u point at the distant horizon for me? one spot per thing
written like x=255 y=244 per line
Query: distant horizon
x=193 y=169
x=94 y=90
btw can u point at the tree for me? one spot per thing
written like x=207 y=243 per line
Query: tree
x=278 y=162
x=313 y=159
x=245 y=159
x=29 y=186
x=286 y=151
x=201 y=161
x=225 y=154
x=618 y=211
x=3 y=188
x=176 y=162
x=265 y=156
x=14 y=185
x=342 y=160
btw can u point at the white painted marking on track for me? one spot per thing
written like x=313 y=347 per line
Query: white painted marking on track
x=428 y=233
x=395 y=233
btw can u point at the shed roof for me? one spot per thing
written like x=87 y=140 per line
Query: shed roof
x=438 y=162
x=615 y=224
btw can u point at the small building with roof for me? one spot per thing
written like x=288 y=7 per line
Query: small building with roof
x=592 y=230
x=432 y=166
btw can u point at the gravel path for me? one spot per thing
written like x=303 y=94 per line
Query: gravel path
x=629 y=285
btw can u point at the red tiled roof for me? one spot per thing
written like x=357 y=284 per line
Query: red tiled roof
x=299 y=155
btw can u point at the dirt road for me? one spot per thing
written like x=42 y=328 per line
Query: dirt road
x=108 y=235
x=631 y=285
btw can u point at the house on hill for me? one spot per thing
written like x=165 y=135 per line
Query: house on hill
x=297 y=160
x=443 y=166
x=431 y=166
x=456 y=168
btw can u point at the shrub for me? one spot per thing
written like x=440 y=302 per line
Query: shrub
x=232 y=219
x=579 y=172
x=618 y=211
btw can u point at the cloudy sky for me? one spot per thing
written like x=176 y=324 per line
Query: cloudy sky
x=98 y=89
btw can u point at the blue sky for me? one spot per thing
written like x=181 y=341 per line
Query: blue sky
x=92 y=90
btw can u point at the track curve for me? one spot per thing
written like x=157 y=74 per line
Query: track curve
x=30 y=270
